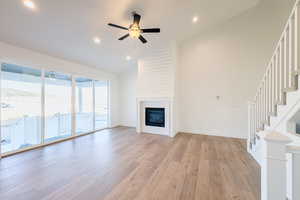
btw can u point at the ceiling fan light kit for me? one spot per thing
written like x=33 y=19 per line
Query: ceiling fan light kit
x=135 y=30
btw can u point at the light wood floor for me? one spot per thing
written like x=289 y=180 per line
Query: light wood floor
x=119 y=164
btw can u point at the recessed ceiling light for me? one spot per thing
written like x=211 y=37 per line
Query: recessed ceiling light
x=195 y=19
x=97 y=40
x=128 y=58
x=29 y=4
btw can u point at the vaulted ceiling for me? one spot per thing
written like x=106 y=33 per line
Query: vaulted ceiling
x=66 y=28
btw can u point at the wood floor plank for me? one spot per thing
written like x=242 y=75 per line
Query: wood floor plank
x=119 y=164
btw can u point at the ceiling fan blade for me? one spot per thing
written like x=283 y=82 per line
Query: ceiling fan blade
x=143 y=40
x=151 y=30
x=136 y=18
x=123 y=37
x=117 y=26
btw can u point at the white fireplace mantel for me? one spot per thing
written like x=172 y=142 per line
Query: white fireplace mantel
x=164 y=102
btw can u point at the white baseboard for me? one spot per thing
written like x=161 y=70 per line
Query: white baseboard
x=209 y=133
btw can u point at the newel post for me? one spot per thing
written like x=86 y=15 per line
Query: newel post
x=294 y=172
x=273 y=168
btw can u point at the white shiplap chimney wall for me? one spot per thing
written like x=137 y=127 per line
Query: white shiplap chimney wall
x=156 y=73
x=157 y=80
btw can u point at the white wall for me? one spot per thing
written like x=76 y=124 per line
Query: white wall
x=128 y=94
x=25 y=57
x=228 y=62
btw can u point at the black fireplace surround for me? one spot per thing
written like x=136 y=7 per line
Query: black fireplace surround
x=155 y=117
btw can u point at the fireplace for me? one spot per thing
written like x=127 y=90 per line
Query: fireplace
x=155 y=117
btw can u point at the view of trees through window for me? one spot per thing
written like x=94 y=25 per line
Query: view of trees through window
x=36 y=106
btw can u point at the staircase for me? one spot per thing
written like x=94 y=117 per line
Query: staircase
x=281 y=77
x=277 y=99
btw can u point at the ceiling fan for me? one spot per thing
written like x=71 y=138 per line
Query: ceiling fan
x=135 y=30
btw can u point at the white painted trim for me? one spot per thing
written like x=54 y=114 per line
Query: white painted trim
x=73 y=103
x=94 y=105
x=109 y=110
x=293 y=173
x=43 y=113
x=0 y=109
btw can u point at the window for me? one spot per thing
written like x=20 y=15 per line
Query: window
x=101 y=104
x=58 y=106
x=21 y=90
x=84 y=106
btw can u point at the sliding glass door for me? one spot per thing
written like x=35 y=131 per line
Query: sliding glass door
x=101 y=104
x=84 y=109
x=21 y=92
x=58 y=106
x=39 y=106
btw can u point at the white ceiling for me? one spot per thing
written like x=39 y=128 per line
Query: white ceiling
x=66 y=28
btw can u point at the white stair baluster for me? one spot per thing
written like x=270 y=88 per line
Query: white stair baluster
x=272 y=91
x=273 y=83
x=256 y=113
x=263 y=104
x=277 y=76
x=296 y=39
x=285 y=62
x=260 y=108
x=267 y=99
x=289 y=56
x=282 y=73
